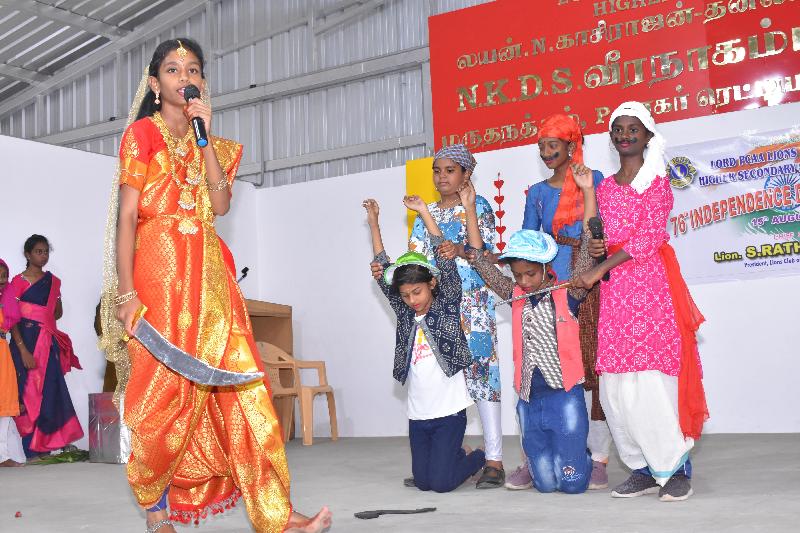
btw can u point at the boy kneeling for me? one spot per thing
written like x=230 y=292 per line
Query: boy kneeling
x=547 y=359
x=431 y=352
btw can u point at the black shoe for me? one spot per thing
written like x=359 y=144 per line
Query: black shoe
x=676 y=489
x=491 y=478
x=636 y=485
x=409 y=482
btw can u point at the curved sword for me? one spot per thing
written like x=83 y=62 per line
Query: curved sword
x=181 y=362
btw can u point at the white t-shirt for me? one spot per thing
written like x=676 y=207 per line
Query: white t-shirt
x=431 y=394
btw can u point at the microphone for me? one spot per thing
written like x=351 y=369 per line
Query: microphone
x=596 y=229
x=198 y=125
x=245 y=270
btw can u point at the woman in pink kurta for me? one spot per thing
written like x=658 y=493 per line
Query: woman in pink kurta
x=638 y=329
x=650 y=376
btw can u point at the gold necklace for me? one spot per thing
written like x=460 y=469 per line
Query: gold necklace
x=178 y=149
x=442 y=205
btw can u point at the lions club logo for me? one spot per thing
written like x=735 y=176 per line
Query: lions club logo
x=681 y=172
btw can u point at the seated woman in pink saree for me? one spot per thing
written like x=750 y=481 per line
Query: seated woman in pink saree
x=42 y=355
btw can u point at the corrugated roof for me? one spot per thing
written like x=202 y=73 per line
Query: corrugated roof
x=39 y=38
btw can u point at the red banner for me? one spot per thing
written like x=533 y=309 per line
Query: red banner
x=498 y=69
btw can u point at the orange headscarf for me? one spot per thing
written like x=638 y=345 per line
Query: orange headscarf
x=570 y=205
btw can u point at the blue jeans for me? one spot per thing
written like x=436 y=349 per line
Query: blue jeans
x=554 y=427
x=437 y=460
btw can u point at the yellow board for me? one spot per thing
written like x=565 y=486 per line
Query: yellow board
x=419 y=181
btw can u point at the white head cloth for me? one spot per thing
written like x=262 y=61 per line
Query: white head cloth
x=655 y=159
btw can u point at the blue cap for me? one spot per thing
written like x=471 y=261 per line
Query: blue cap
x=531 y=245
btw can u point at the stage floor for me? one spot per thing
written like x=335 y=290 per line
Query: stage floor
x=742 y=483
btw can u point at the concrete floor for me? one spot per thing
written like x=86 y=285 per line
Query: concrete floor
x=748 y=483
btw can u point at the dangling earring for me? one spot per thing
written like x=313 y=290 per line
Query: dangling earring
x=205 y=95
x=569 y=154
x=158 y=97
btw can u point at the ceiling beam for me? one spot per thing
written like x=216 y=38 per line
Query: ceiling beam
x=172 y=16
x=345 y=152
x=75 y=20
x=398 y=62
x=268 y=33
x=348 y=15
x=325 y=156
x=22 y=74
x=338 y=6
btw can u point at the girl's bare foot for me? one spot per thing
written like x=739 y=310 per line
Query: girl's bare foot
x=154 y=519
x=299 y=523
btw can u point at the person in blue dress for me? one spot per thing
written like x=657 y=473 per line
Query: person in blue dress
x=452 y=170
x=555 y=206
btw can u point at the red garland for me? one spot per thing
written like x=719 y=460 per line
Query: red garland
x=500 y=213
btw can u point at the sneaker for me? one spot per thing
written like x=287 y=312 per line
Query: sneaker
x=492 y=478
x=599 y=478
x=636 y=485
x=409 y=482
x=676 y=489
x=519 y=479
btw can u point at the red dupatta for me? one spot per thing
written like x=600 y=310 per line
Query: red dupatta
x=692 y=406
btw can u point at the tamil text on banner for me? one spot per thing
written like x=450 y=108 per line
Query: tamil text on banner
x=737 y=207
x=499 y=68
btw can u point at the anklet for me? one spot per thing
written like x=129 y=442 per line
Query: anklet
x=158 y=525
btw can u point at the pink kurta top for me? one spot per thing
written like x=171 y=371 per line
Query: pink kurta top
x=637 y=329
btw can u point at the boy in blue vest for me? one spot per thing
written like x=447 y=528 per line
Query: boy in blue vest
x=548 y=365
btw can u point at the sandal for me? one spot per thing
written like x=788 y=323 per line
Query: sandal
x=155 y=526
x=409 y=482
x=491 y=478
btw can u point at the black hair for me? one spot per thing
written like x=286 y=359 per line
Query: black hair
x=509 y=260
x=149 y=105
x=32 y=241
x=411 y=274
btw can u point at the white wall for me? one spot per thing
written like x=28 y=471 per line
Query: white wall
x=62 y=194
x=307 y=245
x=315 y=258
x=317 y=262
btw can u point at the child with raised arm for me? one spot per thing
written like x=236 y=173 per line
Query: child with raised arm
x=548 y=365
x=453 y=167
x=555 y=206
x=650 y=373
x=431 y=353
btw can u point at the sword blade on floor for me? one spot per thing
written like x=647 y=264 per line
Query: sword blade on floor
x=534 y=293
x=181 y=362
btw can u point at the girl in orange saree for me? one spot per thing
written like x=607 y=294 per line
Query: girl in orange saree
x=194 y=449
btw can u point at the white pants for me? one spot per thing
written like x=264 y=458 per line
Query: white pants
x=10 y=441
x=599 y=439
x=642 y=412
x=491 y=421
